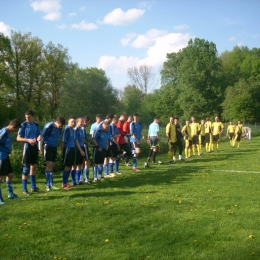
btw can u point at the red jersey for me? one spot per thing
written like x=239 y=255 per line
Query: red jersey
x=126 y=127
x=121 y=138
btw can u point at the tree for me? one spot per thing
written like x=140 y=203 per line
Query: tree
x=242 y=101
x=195 y=72
x=142 y=77
x=88 y=91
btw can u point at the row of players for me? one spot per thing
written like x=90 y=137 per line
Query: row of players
x=197 y=135
x=113 y=139
x=110 y=137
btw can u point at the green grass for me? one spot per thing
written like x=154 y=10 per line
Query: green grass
x=205 y=208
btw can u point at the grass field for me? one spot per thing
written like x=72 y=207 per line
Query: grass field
x=204 y=208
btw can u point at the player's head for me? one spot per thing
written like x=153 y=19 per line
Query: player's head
x=71 y=121
x=156 y=119
x=105 y=126
x=193 y=119
x=187 y=122
x=14 y=125
x=29 y=114
x=230 y=122
x=216 y=118
x=98 y=118
x=109 y=117
x=79 y=122
x=59 y=122
x=171 y=119
x=122 y=117
x=130 y=118
x=85 y=121
x=176 y=120
x=136 y=116
x=115 y=119
x=202 y=122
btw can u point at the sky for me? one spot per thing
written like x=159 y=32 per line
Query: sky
x=115 y=35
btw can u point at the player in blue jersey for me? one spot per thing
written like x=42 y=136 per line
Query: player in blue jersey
x=68 y=151
x=108 y=119
x=80 y=154
x=86 y=163
x=95 y=125
x=153 y=138
x=114 y=147
x=6 y=168
x=49 y=136
x=136 y=135
x=100 y=140
x=28 y=134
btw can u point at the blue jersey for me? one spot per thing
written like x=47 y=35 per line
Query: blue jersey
x=51 y=134
x=113 y=130
x=5 y=143
x=153 y=129
x=68 y=137
x=101 y=137
x=99 y=127
x=136 y=129
x=79 y=136
x=30 y=131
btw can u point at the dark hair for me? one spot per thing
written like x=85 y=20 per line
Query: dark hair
x=85 y=118
x=60 y=120
x=99 y=116
x=15 y=123
x=71 y=117
x=156 y=118
x=29 y=112
x=109 y=116
x=135 y=114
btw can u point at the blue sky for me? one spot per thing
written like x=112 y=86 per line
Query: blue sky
x=117 y=34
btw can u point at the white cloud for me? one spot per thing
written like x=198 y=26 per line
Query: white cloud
x=117 y=65
x=84 y=26
x=240 y=44
x=155 y=55
x=145 y=5
x=72 y=14
x=82 y=8
x=5 y=29
x=233 y=38
x=119 y=17
x=61 y=26
x=125 y=41
x=148 y=39
x=181 y=27
x=50 y=7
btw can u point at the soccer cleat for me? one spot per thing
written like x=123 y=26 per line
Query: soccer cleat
x=112 y=175
x=35 y=190
x=95 y=179
x=99 y=176
x=127 y=164
x=47 y=189
x=66 y=186
x=118 y=173
x=54 y=188
x=14 y=196
x=136 y=170
x=2 y=202
x=25 y=192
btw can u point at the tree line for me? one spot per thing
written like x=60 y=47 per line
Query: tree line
x=196 y=80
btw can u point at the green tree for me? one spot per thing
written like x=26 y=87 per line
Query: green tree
x=242 y=101
x=88 y=92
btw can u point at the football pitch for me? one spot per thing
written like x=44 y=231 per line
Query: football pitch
x=204 y=208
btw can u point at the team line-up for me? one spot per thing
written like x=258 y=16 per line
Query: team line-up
x=114 y=138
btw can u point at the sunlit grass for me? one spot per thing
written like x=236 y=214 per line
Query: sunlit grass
x=205 y=208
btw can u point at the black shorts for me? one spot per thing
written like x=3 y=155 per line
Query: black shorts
x=30 y=154
x=79 y=158
x=50 y=153
x=126 y=148
x=134 y=145
x=153 y=141
x=202 y=140
x=195 y=139
x=98 y=156
x=215 y=138
x=231 y=136
x=172 y=146
x=69 y=156
x=114 y=150
x=239 y=137
x=5 y=166
x=207 y=137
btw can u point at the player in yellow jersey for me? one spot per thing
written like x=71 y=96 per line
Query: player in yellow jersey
x=171 y=135
x=201 y=137
x=216 y=129
x=238 y=134
x=208 y=135
x=231 y=132
x=195 y=135
x=186 y=131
